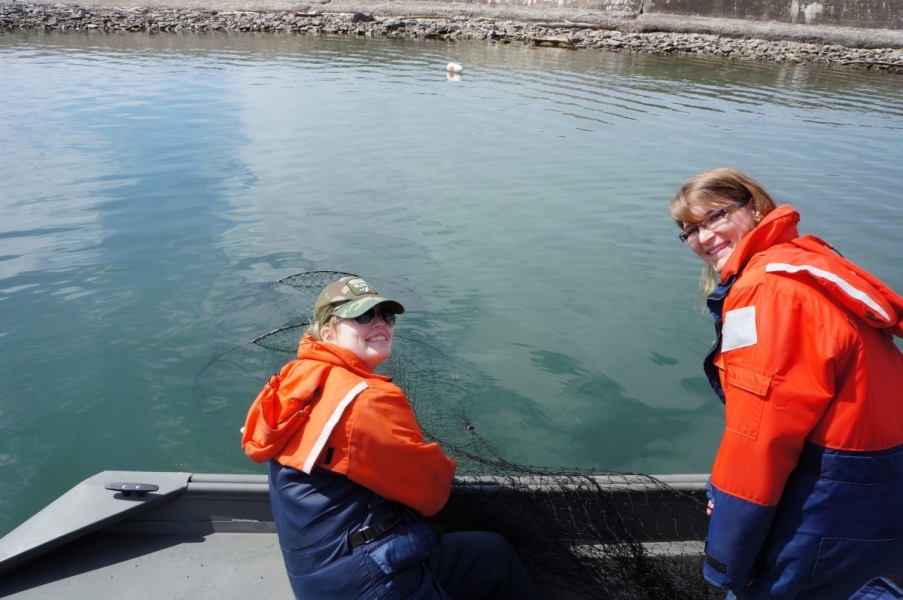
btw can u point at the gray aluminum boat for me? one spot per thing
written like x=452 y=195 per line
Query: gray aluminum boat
x=212 y=536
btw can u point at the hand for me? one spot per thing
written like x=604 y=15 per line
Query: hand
x=710 y=508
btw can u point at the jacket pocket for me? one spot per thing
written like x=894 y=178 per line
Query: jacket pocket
x=746 y=389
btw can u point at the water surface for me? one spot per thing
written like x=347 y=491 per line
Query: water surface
x=155 y=186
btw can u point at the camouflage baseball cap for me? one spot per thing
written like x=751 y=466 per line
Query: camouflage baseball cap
x=350 y=297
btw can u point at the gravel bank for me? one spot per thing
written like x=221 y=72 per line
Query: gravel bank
x=617 y=33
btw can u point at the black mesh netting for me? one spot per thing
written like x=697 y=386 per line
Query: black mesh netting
x=581 y=533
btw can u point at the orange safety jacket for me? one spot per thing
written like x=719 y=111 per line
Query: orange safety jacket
x=326 y=409
x=812 y=381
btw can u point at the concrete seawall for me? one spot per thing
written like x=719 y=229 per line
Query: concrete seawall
x=610 y=25
x=882 y=14
x=853 y=23
x=875 y=14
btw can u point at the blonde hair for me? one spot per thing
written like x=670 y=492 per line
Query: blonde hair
x=322 y=317
x=715 y=189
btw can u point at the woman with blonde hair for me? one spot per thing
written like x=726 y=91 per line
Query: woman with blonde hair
x=808 y=480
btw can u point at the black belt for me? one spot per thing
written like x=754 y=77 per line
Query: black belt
x=367 y=534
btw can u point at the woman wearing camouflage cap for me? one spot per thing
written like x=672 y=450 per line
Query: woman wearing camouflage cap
x=351 y=476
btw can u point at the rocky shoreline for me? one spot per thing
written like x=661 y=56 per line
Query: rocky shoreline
x=617 y=36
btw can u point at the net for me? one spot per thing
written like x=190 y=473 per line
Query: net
x=582 y=533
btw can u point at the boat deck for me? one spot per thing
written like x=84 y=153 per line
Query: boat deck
x=209 y=536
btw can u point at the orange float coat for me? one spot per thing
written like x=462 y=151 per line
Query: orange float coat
x=813 y=388
x=327 y=410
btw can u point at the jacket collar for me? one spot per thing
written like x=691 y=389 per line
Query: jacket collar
x=777 y=227
x=311 y=349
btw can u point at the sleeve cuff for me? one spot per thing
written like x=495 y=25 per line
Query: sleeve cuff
x=737 y=533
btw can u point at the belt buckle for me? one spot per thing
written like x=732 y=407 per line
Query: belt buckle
x=368 y=533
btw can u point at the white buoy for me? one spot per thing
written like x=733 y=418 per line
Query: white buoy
x=454 y=68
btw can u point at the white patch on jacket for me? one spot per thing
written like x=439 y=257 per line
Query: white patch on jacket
x=739 y=329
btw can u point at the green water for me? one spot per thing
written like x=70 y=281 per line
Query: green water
x=155 y=186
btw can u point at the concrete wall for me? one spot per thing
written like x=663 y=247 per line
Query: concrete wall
x=869 y=14
x=881 y=14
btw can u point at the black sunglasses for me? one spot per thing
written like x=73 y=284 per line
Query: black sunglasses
x=385 y=313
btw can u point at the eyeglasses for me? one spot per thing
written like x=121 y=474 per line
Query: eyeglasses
x=711 y=220
x=384 y=313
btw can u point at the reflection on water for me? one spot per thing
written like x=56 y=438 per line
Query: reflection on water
x=153 y=183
